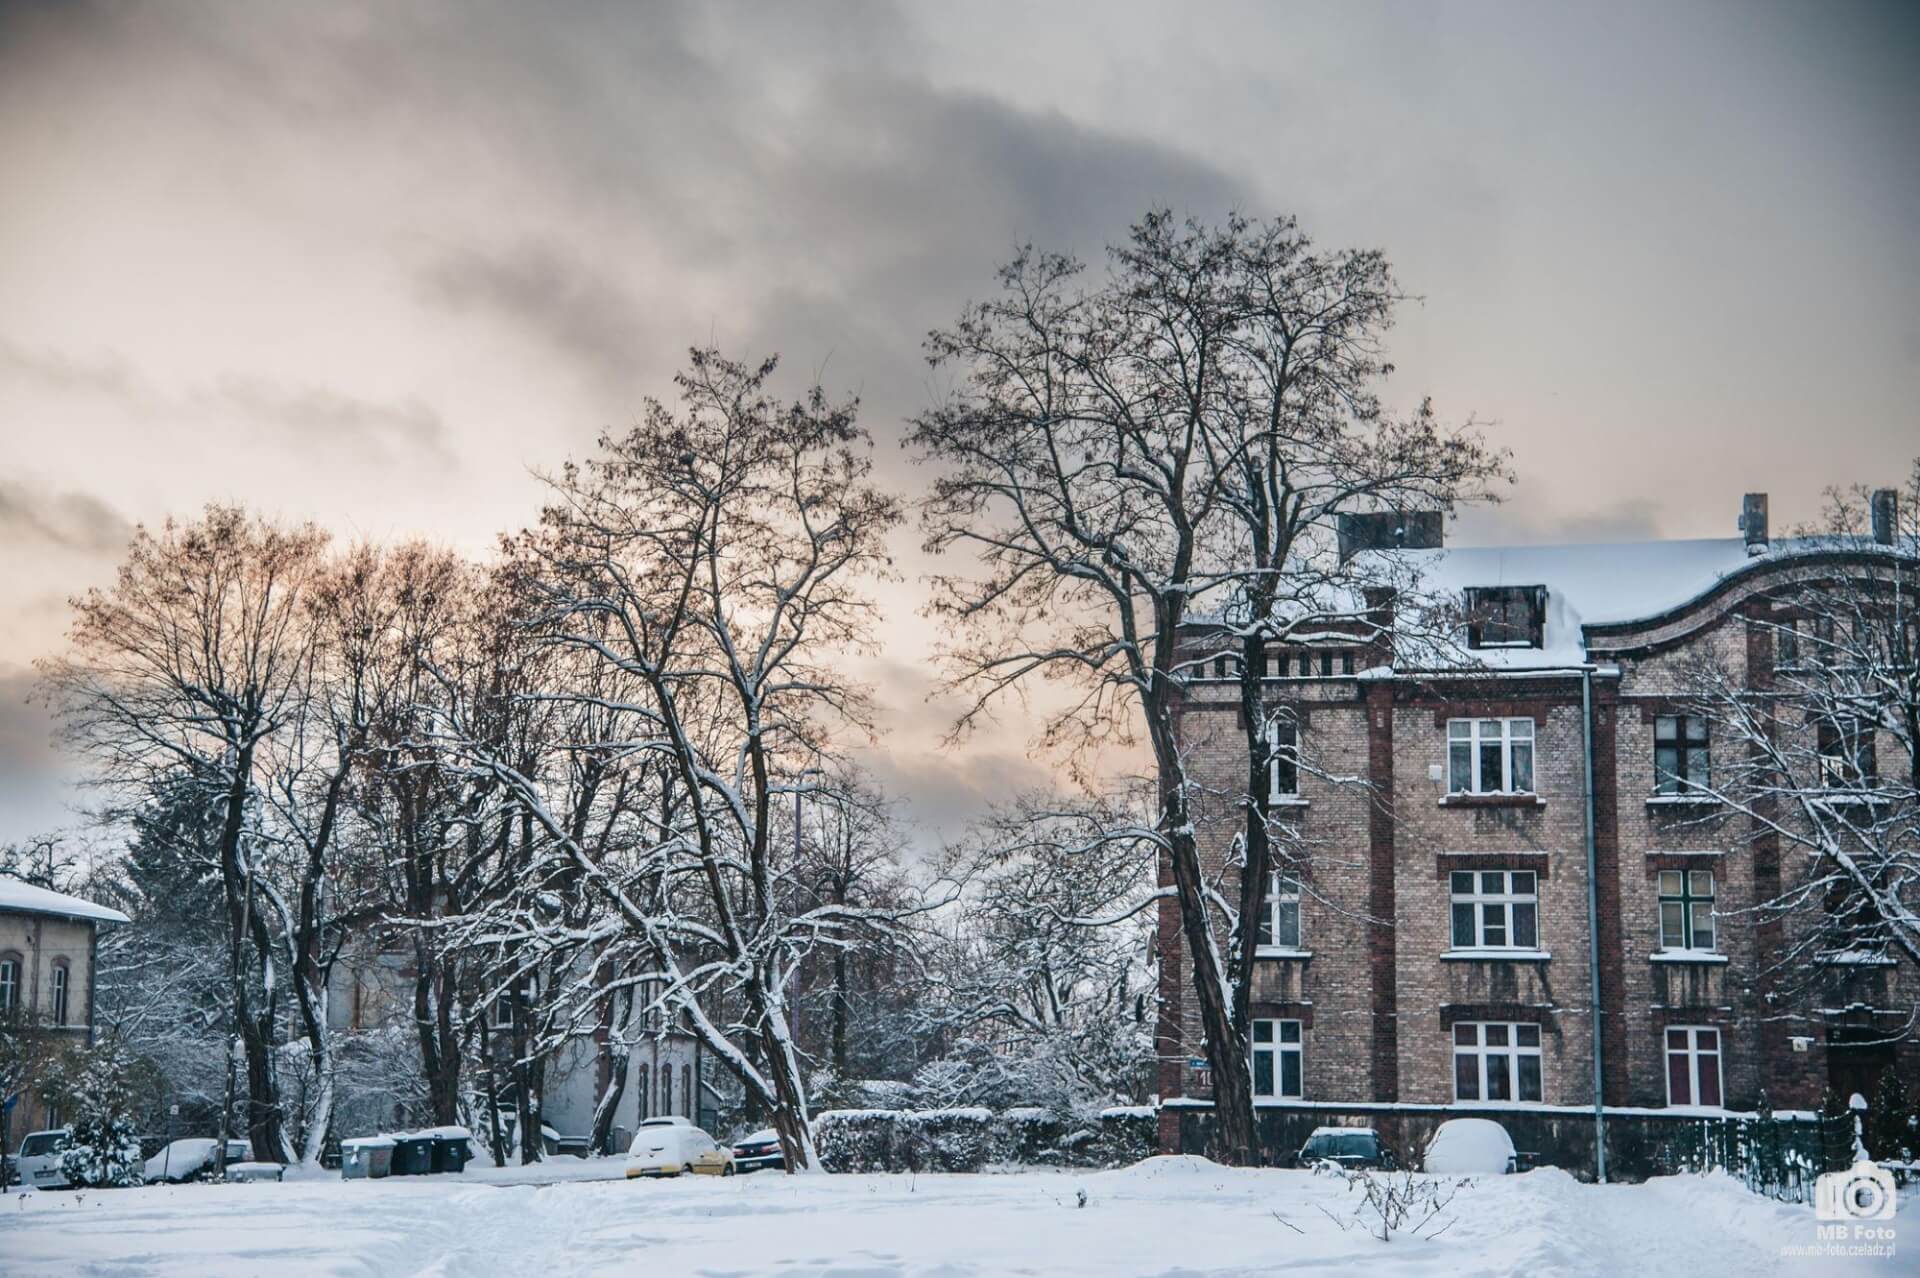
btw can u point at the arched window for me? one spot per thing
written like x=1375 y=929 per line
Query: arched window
x=686 y=1091
x=646 y=1094
x=60 y=991
x=666 y=1089
x=9 y=981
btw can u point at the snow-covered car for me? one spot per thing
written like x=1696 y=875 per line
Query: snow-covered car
x=246 y=1173
x=1470 y=1147
x=194 y=1158
x=38 y=1161
x=674 y=1147
x=758 y=1150
x=1345 y=1147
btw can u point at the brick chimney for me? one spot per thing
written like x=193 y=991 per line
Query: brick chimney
x=1886 y=515
x=1753 y=522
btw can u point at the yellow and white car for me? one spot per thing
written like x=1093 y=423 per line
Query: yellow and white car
x=675 y=1147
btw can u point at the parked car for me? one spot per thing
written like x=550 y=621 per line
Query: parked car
x=674 y=1147
x=246 y=1173
x=761 y=1149
x=194 y=1158
x=1345 y=1147
x=38 y=1161
x=1471 y=1147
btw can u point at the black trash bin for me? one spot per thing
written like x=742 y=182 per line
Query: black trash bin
x=450 y=1153
x=412 y=1155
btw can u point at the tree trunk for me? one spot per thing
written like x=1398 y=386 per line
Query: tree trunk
x=617 y=1052
x=1233 y=1135
x=840 y=1010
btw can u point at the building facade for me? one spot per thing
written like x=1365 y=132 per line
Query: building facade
x=48 y=945
x=1435 y=941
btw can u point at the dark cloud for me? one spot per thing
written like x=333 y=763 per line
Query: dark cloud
x=36 y=780
x=562 y=302
x=312 y=417
x=318 y=416
x=69 y=520
x=109 y=375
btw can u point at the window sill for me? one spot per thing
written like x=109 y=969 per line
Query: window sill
x=1496 y=955
x=1258 y=1101
x=1287 y=801
x=1280 y=952
x=1493 y=801
x=1854 y=960
x=1688 y=956
x=1846 y=800
x=1682 y=801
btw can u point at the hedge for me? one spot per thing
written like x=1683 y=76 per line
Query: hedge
x=971 y=1139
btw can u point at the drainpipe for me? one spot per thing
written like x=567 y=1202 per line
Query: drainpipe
x=1593 y=928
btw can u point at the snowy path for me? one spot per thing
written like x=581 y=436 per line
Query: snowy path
x=1166 y=1217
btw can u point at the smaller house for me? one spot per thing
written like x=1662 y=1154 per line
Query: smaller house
x=48 y=944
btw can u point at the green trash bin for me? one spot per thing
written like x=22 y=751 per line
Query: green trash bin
x=367 y=1158
x=412 y=1155
x=452 y=1147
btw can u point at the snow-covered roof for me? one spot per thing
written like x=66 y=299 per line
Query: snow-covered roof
x=20 y=897
x=1590 y=585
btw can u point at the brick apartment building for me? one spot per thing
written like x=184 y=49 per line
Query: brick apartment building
x=1429 y=955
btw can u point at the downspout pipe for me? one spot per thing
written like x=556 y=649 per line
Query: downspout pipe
x=1593 y=928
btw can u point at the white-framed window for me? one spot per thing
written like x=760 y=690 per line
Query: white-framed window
x=1490 y=756
x=1496 y=1061
x=1277 y=1059
x=1686 y=910
x=1280 y=924
x=59 y=993
x=644 y=1094
x=1693 y=1065
x=1495 y=909
x=9 y=983
x=666 y=1089
x=1283 y=757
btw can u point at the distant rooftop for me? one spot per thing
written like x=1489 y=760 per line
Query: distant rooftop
x=1589 y=585
x=24 y=898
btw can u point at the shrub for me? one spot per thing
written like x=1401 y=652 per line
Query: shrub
x=96 y=1087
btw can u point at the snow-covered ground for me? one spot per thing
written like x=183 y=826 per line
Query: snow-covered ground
x=1163 y=1217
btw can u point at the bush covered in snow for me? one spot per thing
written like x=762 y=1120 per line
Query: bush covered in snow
x=969 y=1139
x=95 y=1086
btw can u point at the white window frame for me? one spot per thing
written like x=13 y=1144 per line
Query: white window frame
x=1494 y=905
x=1282 y=890
x=1490 y=1056
x=60 y=979
x=1509 y=736
x=1285 y=1039
x=1276 y=793
x=9 y=984
x=1694 y=1052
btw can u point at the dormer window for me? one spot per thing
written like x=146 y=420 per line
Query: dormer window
x=1506 y=616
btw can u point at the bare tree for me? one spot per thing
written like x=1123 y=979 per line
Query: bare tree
x=1305 y=448
x=1170 y=444
x=184 y=672
x=1047 y=963
x=694 y=580
x=1817 y=746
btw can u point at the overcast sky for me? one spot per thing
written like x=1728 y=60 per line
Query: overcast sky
x=373 y=265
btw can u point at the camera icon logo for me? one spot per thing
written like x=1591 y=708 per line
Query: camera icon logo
x=1862 y=1192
